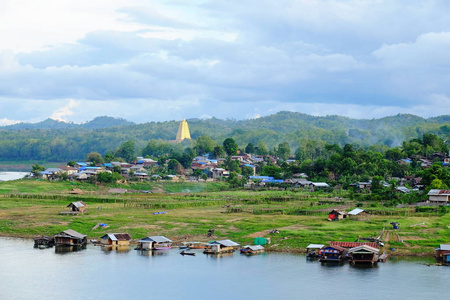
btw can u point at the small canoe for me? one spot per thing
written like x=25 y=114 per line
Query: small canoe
x=187 y=253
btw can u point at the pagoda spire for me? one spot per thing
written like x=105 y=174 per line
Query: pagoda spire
x=183 y=131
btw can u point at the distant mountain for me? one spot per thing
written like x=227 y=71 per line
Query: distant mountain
x=106 y=122
x=59 y=141
x=98 y=122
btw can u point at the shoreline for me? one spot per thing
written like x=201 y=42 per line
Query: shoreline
x=178 y=240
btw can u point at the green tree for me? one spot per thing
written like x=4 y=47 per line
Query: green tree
x=284 y=151
x=204 y=144
x=36 y=169
x=106 y=177
x=218 y=152
x=127 y=151
x=262 y=148
x=250 y=148
x=230 y=146
x=95 y=158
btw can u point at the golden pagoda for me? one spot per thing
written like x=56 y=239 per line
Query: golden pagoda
x=183 y=131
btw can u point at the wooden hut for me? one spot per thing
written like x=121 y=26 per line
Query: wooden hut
x=314 y=250
x=223 y=246
x=358 y=213
x=336 y=215
x=249 y=250
x=120 y=239
x=70 y=237
x=363 y=255
x=157 y=242
x=332 y=254
x=78 y=206
x=442 y=254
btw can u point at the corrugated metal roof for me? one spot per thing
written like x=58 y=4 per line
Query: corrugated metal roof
x=226 y=243
x=254 y=247
x=77 y=204
x=73 y=233
x=315 y=246
x=355 y=211
x=445 y=247
x=353 y=244
x=364 y=248
x=159 y=239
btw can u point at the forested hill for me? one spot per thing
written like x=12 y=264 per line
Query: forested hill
x=58 y=141
x=98 y=122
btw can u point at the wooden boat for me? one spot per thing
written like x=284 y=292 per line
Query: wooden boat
x=187 y=253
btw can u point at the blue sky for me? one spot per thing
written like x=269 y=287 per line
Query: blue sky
x=167 y=60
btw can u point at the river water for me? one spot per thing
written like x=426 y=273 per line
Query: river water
x=94 y=273
x=5 y=176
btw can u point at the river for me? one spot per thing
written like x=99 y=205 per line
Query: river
x=93 y=273
x=5 y=176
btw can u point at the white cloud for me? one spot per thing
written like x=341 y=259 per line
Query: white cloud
x=61 y=113
x=356 y=58
x=5 y=121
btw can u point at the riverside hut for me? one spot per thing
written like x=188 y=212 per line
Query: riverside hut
x=442 y=254
x=332 y=254
x=223 y=246
x=119 y=239
x=157 y=242
x=249 y=250
x=70 y=237
x=363 y=255
x=314 y=250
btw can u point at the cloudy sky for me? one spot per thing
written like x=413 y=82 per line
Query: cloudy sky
x=166 y=60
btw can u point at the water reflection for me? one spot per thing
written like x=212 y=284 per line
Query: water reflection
x=116 y=248
x=68 y=249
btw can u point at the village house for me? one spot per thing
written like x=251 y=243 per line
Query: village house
x=439 y=196
x=51 y=173
x=157 y=242
x=70 y=237
x=119 y=239
x=336 y=215
x=332 y=254
x=363 y=254
x=252 y=249
x=223 y=246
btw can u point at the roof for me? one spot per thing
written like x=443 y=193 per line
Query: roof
x=254 y=247
x=364 y=248
x=335 y=247
x=73 y=233
x=444 y=247
x=77 y=204
x=157 y=239
x=261 y=177
x=117 y=236
x=356 y=211
x=315 y=246
x=320 y=184
x=226 y=243
x=354 y=244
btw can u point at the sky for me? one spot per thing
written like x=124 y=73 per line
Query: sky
x=159 y=60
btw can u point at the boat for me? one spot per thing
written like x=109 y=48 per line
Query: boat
x=364 y=255
x=187 y=253
x=333 y=254
x=193 y=245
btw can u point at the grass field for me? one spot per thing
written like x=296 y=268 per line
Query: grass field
x=30 y=207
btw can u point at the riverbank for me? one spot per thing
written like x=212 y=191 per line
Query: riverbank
x=300 y=217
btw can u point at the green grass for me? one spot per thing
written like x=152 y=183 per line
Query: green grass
x=31 y=207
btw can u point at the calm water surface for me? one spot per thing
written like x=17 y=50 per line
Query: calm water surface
x=94 y=273
x=5 y=176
